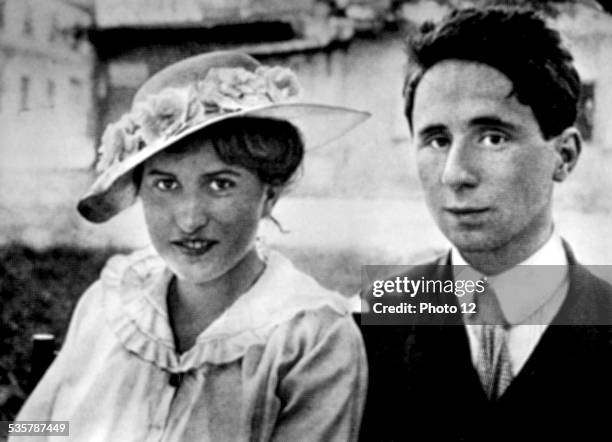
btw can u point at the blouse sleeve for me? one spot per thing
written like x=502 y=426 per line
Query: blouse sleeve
x=323 y=380
x=40 y=403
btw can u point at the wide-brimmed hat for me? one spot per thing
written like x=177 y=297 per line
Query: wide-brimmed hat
x=193 y=94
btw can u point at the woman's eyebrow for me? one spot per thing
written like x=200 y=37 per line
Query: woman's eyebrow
x=213 y=173
x=222 y=172
x=159 y=172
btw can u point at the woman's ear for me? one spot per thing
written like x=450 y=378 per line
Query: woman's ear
x=568 y=146
x=272 y=193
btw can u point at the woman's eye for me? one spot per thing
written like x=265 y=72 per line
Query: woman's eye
x=494 y=139
x=166 y=185
x=221 y=184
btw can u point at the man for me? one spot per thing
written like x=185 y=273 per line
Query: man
x=491 y=108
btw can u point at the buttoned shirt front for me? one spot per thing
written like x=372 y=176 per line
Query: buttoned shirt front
x=530 y=294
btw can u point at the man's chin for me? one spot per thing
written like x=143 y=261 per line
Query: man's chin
x=473 y=242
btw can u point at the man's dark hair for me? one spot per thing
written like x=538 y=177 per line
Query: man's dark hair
x=516 y=42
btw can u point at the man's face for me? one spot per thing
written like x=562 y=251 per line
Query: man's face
x=486 y=170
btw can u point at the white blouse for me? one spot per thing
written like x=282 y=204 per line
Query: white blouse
x=284 y=362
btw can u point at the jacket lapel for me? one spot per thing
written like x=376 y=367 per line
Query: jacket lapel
x=564 y=347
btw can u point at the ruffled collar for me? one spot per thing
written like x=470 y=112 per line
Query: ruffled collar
x=135 y=290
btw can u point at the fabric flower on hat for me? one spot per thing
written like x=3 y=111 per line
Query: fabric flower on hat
x=282 y=83
x=225 y=89
x=233 y=89
x=119 y=140
x=173 y=110
x=167 y=113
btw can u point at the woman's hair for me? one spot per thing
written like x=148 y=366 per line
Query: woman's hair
x=271 y=149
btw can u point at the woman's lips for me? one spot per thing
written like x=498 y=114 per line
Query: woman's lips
x=466 y=210
x=194 y=247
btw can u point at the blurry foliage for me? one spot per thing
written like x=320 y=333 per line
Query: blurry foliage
x=38 y=292
x=546 y=6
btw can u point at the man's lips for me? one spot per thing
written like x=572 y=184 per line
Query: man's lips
x=194 y=246
x=467 y=214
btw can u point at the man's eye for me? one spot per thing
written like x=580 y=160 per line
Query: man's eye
x=221 y=184
x=494 y=140
x=166 y=185
x=438 y=142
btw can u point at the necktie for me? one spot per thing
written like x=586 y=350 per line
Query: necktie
x=494 y=366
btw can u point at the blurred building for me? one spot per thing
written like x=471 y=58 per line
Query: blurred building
x=588 y=33
x=197 y=13
x=62 y=89
x=369 y=16
x=46 y=65
x=133 y=42
x=136 y=38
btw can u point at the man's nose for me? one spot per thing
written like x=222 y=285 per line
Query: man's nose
x=192 y=213
x=459 y=167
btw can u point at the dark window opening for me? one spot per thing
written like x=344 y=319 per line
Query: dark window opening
x=1 y=90
x=28 y=23
x=50 y=93
x=2 y=13
x=24 y=89
x=586 y=111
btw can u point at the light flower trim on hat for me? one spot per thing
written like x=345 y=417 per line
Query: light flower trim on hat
x=174 y=110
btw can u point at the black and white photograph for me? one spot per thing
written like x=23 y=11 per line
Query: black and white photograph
x=305 y=220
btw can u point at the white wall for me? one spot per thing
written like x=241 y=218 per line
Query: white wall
x=46 y=123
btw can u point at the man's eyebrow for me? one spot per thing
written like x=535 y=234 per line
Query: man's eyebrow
x=492 y=121
x=428 y=130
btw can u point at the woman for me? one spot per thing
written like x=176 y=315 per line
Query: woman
x=203 y=338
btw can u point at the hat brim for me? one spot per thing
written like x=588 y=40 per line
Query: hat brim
x=114 y=191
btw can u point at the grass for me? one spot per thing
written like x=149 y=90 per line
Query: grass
x=39 y=290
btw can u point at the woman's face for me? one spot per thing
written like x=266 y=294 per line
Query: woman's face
x=202 y=214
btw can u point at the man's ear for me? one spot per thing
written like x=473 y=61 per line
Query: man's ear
x=272 y=195
x=568 y=146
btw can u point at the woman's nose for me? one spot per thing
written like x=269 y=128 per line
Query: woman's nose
x=191 y=213
x=459 y=167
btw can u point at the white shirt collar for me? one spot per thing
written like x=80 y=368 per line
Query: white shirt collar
x=524 y=289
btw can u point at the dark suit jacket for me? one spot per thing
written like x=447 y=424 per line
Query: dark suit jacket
x=422 y=384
